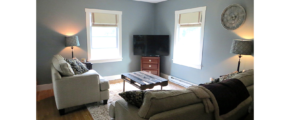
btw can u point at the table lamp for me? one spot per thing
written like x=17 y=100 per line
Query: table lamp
x=241 y=47
x=72 y=41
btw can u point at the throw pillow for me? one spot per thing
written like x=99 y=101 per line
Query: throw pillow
x=82 y=65
x=133 y=97
x=75 y=66
x=136 y=97
x=66 y=69
x=228 y=76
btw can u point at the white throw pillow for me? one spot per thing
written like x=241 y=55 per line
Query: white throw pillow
x=56 y=61
x=66 y=69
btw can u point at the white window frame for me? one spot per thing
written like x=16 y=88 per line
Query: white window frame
x=177 y=14
x=89 y=33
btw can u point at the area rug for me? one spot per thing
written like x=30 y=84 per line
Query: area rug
x=99 y=111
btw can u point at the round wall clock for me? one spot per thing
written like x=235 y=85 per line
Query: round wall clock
x=233 y=17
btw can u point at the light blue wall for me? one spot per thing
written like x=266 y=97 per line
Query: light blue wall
x=57 y=18
x=216 y=59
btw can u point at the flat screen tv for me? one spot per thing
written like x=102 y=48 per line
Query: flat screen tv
x=151 y=45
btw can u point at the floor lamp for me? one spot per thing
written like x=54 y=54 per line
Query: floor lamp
x=241 y=47
x=72 y=41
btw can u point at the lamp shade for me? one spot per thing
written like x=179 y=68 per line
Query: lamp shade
x=72 y=41
x=244 y=47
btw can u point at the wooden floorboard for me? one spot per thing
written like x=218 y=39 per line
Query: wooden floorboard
x=46 y=107
x=46 y=110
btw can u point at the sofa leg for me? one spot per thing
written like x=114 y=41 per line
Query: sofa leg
x=105 y=101
x=61 y=112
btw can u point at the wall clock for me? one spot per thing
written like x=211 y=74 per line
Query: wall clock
x=233 y=17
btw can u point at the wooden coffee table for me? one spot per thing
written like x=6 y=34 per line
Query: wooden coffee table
x=143 y=80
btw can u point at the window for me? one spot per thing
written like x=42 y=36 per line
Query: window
x=104 y=35
x=188 y=37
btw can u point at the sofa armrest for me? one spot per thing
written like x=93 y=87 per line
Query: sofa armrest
x=126 y=111
x=54 y=73
x=112 y=110
x=76 y=89
x=77 y=81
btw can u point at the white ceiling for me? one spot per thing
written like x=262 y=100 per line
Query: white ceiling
x=152 y=1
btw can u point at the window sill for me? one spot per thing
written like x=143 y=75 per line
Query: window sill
x=106 y=60
x=192 y=66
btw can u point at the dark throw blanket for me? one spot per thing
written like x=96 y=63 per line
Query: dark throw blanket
x=228 y=93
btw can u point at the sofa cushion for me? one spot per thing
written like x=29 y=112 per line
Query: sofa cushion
x=157 y=102
x=125 y=111
x=66 y=69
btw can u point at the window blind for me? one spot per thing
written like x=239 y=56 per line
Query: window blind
x=103 y=19
x=190 y=19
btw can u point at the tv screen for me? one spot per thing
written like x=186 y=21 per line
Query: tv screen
x=151 y=45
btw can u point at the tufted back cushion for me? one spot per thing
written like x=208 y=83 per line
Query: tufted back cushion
x=160 y=101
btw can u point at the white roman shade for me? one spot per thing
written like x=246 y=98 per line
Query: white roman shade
x=193 y=18
x=104 y=19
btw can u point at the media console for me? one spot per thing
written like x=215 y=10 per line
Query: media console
x=151 y=65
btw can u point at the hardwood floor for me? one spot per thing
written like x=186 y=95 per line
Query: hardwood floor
x=46 y=107
x=40 y=95
x=46 y=110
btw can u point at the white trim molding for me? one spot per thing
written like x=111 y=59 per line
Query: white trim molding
x=152 y=1
x=112 y=77
x=44 y=87
x=106 y=60
x=177 y=26
x=89 y=33
x=193 y=66
x=177 y=81
x=103 y=11
x=164 y=75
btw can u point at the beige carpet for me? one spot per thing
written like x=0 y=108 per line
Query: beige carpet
x=101 y=112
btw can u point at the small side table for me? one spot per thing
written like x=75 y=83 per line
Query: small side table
x=89 y=65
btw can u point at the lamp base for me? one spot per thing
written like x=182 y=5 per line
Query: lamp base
x=239 y=63
x=72 y=51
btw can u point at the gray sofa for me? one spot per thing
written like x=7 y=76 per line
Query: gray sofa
x=179 y=105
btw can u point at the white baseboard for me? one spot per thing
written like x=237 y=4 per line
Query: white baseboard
x=164 y=75
x=44 y=87
x=113 y=77
x=178 y=81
